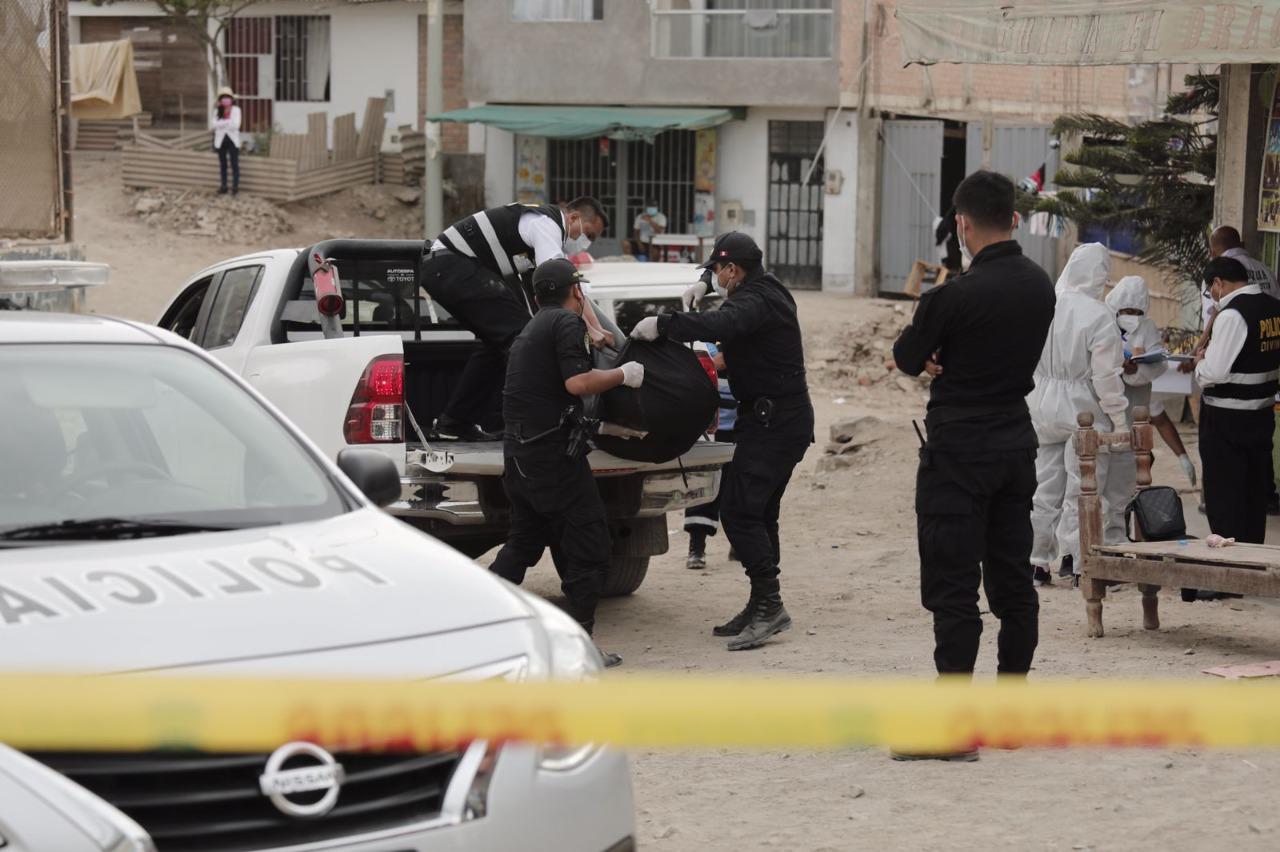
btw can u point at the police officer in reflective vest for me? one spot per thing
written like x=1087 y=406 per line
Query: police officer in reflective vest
x=1238 y=371
x=759 y=333
x=475 y=268
x=554 y=498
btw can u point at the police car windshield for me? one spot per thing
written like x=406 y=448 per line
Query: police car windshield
x=143 y=434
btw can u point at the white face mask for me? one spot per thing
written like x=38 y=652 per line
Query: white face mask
x=576 y=245
x=964 y=249
x=1128 y=323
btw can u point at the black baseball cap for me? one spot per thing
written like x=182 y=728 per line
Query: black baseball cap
x=734 y=247
x=554 y=275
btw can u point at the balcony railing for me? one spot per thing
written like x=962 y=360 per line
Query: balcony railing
x=799 y=29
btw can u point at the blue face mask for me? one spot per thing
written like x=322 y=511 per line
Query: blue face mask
x=651 y=211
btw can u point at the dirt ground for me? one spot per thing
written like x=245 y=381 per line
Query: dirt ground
x=850 y=580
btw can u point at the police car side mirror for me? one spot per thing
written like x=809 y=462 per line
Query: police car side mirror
x=373 y=473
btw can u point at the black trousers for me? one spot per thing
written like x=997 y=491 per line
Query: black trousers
x=1235 y=453
x=228 y=152
x=555 y=503
x=973 y=514
x=751 y=491
x=490 y=310
x=705 y=519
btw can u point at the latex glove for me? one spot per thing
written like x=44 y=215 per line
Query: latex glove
x=694 y=295
x=632 y=373
x=618 y=431
x=1188 y=468
x=1215 y=540
x=646 y=329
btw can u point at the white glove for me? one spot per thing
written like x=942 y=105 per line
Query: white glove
x=1188 y=468
x=694 y=295
x=646 y=329
x=618 y=431
x=632 y=374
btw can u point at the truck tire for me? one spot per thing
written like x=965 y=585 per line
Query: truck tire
x=634 y=541
x=625 y=575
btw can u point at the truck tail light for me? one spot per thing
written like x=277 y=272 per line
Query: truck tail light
x=708 y=365
x=376 y=412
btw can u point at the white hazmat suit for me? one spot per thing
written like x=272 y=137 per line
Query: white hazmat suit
x=1139 y=334
x=1079 y=370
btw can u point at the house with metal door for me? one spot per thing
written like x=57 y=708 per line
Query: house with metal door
x=718 y=110
x=285 y=59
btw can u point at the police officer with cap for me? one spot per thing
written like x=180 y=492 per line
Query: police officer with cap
x=554 y=498
x=759 y=334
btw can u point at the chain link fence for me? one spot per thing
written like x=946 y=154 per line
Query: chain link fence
x=31 y=164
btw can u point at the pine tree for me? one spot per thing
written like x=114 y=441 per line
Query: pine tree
x=1154 y=178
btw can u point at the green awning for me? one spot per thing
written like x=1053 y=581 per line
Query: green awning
x=586 y=122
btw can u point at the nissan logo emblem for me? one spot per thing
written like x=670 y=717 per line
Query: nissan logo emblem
x=318 y=770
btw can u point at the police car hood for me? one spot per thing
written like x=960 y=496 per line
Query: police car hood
x=358 y=589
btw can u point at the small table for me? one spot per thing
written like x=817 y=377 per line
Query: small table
x=679 y=248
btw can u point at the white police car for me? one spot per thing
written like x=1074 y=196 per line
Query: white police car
x=157 y=515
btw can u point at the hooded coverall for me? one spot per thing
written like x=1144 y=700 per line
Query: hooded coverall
x=1122 y=474
x=1079 y=371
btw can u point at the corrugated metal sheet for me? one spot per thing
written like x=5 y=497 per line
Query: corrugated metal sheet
x=1017 y=152
x=911 y=168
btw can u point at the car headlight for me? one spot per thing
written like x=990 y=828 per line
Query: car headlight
x=110 y=829
x=573 y=657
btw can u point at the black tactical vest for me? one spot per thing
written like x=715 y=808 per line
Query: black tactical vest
x=1253 y=381
x=492 y=237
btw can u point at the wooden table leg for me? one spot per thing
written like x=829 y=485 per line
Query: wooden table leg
x=1150 y=606
x=1094 y=592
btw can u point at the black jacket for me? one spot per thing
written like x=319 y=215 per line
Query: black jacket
x=988 y=327
x=759 y=333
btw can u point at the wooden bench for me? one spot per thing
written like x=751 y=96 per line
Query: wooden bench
x=1246 y=569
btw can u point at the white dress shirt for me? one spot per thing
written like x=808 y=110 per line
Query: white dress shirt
x=1229 y=334
x=226 y=127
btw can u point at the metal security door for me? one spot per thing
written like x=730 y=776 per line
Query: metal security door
x=1017 y=152
x=794 y=248
x=911 y=181
x=577 y=167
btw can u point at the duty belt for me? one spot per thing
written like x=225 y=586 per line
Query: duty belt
x=763 y=408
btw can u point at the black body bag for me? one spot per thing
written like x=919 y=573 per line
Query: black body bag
x=1158 y=511
x=675 y=404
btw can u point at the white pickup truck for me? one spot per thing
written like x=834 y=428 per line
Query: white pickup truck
x=377 y=366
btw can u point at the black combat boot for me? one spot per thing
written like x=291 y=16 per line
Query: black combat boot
x=697 y=559
x=1068 y=567
x=738 y=623
x=768 y=619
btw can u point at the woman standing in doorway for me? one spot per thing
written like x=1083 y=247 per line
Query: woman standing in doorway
x=226 y=138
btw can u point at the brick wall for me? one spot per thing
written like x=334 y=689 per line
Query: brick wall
x=454 y=135
x=169 y=63
x=973 y=91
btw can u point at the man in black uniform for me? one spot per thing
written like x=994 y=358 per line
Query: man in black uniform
x=554 y=498
x=980 y=335
x=759 y=334
x=1238 y=371
x=475 y=268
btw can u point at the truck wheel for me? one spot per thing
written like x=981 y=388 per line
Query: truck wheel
x=625 y=575
x=634 y=542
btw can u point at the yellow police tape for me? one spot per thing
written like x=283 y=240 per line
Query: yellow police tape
x=240 y=714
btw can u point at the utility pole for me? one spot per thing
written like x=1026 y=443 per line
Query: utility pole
x=433 y=210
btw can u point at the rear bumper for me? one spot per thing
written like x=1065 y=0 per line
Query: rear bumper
x=465 y=501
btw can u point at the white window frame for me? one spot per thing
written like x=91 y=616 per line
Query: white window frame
x=658 y=15
x=594 y=4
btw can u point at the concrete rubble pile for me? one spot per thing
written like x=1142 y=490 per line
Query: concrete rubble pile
x=862 y=356
x=227 y=218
